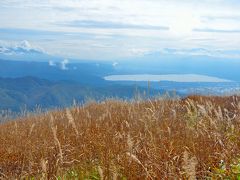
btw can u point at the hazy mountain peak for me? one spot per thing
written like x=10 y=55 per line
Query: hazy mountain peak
x=24 y=51
x=25 y=44
x=23 y=47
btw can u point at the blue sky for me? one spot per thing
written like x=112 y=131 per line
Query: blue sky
x=117 y=29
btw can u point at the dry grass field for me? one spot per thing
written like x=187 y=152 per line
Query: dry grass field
x=192 y=138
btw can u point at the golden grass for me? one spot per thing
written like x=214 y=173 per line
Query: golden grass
x=197 y=137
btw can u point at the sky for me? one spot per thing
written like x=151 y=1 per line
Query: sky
x=118 y=29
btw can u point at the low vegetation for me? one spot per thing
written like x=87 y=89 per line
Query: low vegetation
x=196 y=137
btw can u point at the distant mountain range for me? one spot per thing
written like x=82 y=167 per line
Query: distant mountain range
x=17 y=93
x=29 y=76
x=167 y=61
x=88 y=73
x=170 y=63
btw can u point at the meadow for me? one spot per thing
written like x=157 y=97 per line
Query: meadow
x=193 y=138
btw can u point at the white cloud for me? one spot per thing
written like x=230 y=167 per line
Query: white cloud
x=63 y=64
x=139 y=51
x=132 y=12
x=115 y=64
x=129 y=24
x=51 y=63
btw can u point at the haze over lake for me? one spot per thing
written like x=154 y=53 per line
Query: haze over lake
x=165 y=77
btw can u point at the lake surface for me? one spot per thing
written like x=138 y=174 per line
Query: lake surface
x=165 y=77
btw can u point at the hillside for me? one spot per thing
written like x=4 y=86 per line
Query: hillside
x=29 y=92
x=83 y=72
x=17 y=93
x=193 y=138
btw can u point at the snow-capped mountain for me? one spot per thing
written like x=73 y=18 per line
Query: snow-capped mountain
x=24 y=51
x=20 y=48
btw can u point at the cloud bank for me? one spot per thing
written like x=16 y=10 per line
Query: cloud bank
x=70 y=28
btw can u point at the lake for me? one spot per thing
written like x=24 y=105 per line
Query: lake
x=166 y=77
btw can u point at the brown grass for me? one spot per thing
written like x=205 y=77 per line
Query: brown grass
x=157 y=139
